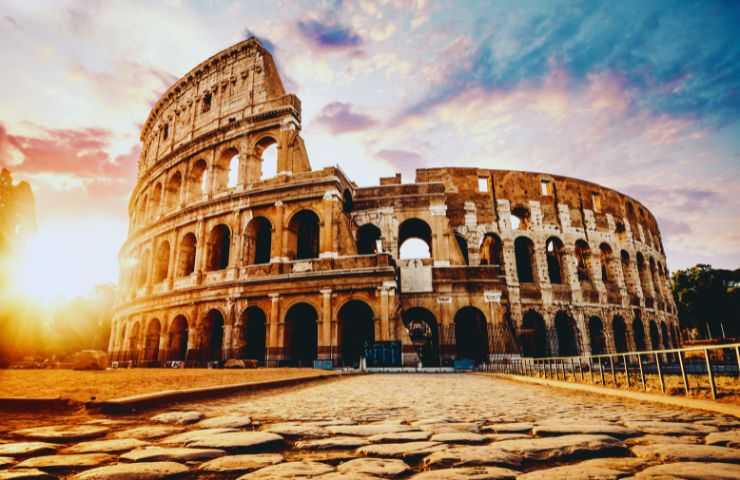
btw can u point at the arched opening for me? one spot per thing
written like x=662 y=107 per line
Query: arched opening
x=519 y=218
x=654 y=336
x=198 y=181
x=524 y=252
x=347 y=202
x=368 y=237
x=462 y=245
x=254 y=323
x=301 y=335
x=638 y=332
x=642 y=271
x=143 y=272
x=174 y=186
x=414 y=239
x=664 y=332
x=233 y=179
x=186 y=260
x=419 y=320
x=219 y=241
x=133 y=342
x=533 y=335
x=620 y=334
x=259 y=241
x=161 y=268
x=356 y=331
x=554 y=251
x=151 y=344
x=606 y=258
x=596 y=336
x=141 y=213
x=177 y=343
x=213 y=336
x=471 y=335
x=155 y=201
x=267 y=149
x=303 y=235
x=491 y=250
x=567 y=333
x=627 y=273
x=583 y=261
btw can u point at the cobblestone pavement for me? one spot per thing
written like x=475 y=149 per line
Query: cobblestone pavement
x=383 y=426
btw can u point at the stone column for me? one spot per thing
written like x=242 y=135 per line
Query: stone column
x=440 y=241
x=384 y=315
x=277 y=254
x=162 y=354
x=201 y=250
x=172 y=261
x=446 y=350
x=571 y=272
x=274 y=352
x=326 y=239
x=326 y=344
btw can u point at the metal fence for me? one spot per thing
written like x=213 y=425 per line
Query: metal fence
x=626 y=369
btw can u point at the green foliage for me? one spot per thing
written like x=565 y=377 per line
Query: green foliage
x=708 y=300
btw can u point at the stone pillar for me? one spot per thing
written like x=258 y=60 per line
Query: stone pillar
x=571 y=272
x=327 y=248
x=172 y=261
x=274 y=352
x=201 y=250
x=385 y=333
x=278 y=239
x=237 y=335
x=446 y=346
x=162 y=354
x=326 y=344
x=440 y=236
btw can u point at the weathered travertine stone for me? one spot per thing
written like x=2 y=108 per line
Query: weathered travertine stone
x=400 y=437
x=572 y=427
x=451 y=427
x=148 y=432
x=25 y=474
x=5 y=461
x=520 y=427
x=332 y=443
x=107 y=446
x=297 y=430
x=159 y=454
x=237 y=440
x=347 y=476
x=468 y=473
x=290 y=470
x=380 y=467
x=134 y=471
x=551 y=448
x=406 y=450
x=368 y=430
x=649 y=439
x=226 y=421
x=459 y=437
x=691 y=471
x=19 y=449
x=730 y=438
x=472 y=457
x=670 y=428
x=61 y=462
x=193 y=435
x=178 y=418
x=63 y=433
x=500 y=437
x=241 y=463
x=597 y=468
x=687 y=453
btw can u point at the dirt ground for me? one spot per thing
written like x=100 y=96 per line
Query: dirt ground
x=109 y=384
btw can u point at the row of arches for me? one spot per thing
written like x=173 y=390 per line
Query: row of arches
x=303 y=243
x=535 y=337
x=179 y=188
x=356 y=331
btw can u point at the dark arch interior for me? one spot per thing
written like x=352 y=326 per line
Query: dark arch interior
x=664 y=331
x=638 y=330
x=583 y=261
x=367 y=239
x=304 y=235
x=596 y=336
x=620 y=334
x=471 y=335
x=356 y=331
x=218 y=252
x=654 y=336
x=554 y=251
x=213 y=336
x=259 y=241
x=151 y=347
x=187 y=255
x=413 y=228
x=491 y=250
x=567 y=335
x=178 y=339
x=462 y=244
x=430 y=350
x=524 y=251
x=301 y=335
x=533 y=335
x=254 y=323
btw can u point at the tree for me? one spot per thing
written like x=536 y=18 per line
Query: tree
x=708 y=300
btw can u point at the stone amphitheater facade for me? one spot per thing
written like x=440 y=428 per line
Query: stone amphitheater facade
x=226 y=261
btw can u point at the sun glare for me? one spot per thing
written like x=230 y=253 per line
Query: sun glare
x=65 y=260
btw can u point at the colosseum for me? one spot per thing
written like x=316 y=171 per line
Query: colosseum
x=295 y=266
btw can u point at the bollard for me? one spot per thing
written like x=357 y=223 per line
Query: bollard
x=642 y=372
x=601 y=372
x=683 y=374
x=712 y=386
x=626 y=371
x=660 y=373
x=614 y=375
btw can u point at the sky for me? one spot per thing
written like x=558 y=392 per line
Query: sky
x=642 y=97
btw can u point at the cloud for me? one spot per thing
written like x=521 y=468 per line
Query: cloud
x=405 y=161
x=328 y=35
x=678 y=199
x=338 y=118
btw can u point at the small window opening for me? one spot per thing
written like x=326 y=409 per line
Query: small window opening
x=483 y=184
x=596 y=200
x=166 y=131
x=545 y=188
x=207 y=102
x=233 y=171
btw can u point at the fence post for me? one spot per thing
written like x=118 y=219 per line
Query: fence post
x=660 y=373
x=626 y=370
x=591 y=368
x=614 y=375
x=712 y=387
x=562 y=367
x=737 y=355
x=642 y=372
x=683 y=374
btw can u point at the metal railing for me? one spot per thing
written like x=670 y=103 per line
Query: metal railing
x=621 y=367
